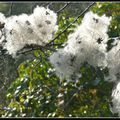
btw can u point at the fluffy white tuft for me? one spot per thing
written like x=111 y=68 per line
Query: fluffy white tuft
x=116 y=100
x=86 y=44
x=2 y=22
x=2 y=18
x=37 y=28
x=113 y=60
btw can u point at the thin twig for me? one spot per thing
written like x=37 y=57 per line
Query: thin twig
x=78 y=90
x=46 y=4
x=61 y=9
x=71 y=23
x=70 y=100
x=26 y=51
x=3 y=84
x=114 y=38
x=10 y=10
x=35 y=47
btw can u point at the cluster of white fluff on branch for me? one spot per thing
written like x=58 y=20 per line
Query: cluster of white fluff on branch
x=115 y=108
x=113 y=60
x=86 y=44
x=37 y=28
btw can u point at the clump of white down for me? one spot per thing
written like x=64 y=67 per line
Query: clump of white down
x=86 y=44
x=114 y=62
x=116 y=99
x=113 y=59
x=2 y=21
x=37 y=28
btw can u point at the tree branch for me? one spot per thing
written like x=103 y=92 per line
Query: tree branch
x=46 y=4
x=32 y=47
x=3 y=84
x=71 y=23
x=61 y=9
x=72 y=97
x=10 y=10
x=114 y=38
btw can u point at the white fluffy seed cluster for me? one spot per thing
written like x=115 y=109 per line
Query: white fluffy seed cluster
x=116 y=100
x=86 y=44
x=36 y=28
x=113 y=59
x=2 y=22
x=114 y=62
